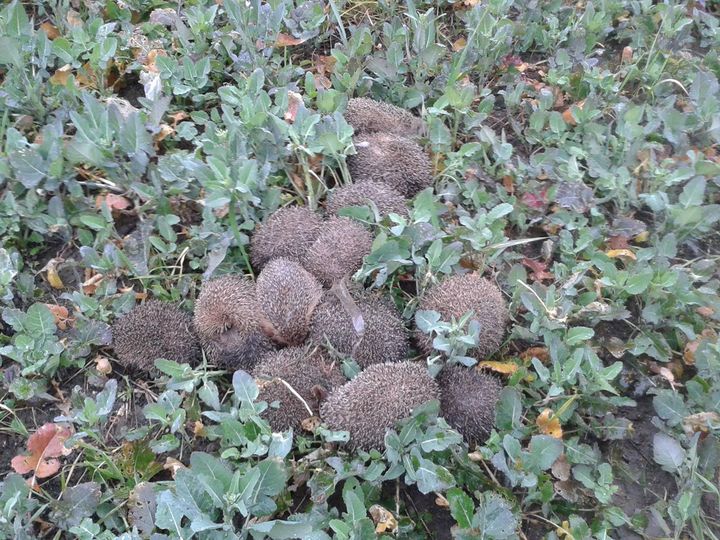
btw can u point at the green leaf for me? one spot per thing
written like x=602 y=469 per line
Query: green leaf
x=9 y=52
x=246 y=391
x=39 y=321
x=693 y=193
x=668 y=452
x=354 y=506
x=169 y=514
x=281 y=530
x=670 y=406
x=77 y=502
x=509 y=409
x=461 y=507
x=578 y=334
x=544 y=450
x=495 y=518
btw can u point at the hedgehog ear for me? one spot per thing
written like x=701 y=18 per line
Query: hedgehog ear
x=270 y=331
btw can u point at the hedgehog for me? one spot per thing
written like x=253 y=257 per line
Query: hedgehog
x=459 y=294
x=386 y=199
x=366 y=115
x=394 y=160
x=287 y=295
x=288 y=233
x=338 y=250
x=468 y=400
x=376 y=399
x=384 y=338
x=229 y=322
x=155 y=330
x=311 y=374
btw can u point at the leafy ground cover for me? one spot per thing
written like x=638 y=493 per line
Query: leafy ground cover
x=575 y=153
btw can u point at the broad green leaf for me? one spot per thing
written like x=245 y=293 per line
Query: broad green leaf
x=39 y=321
x=668 y=452
x=578 y=334
x=544 y=450
x=462 y=507
x=246 y=391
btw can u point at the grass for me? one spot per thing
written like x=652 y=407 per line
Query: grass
x=575 y=154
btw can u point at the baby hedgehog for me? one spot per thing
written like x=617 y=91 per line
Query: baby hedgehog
x=459 y=294
x=287 y=294
x=338 y=250
x=399 y=162
x=154 y=330
x=310 y=374
x=386 y=199
x=384 y=338
x=468 y=400
x=229 y=321
x=289 y=232
x=366 y=115
x=376 y=399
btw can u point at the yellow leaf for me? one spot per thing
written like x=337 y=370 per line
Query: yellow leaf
x=623 y=253
x=702 y=422
x=383 y=519
x=506 y=368
x=549 y=424
x=563 y=531
x=52 y=274
x=459 y=45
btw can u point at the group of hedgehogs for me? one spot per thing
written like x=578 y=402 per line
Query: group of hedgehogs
x=288 y=326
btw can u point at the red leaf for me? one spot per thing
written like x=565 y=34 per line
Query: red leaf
x=535 y=201
x=45 y=445
x=539 y=270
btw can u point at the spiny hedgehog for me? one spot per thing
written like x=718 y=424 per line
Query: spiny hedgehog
x=338 y=250
x=287 y=233
x=376 y=400
x=308 y=372
x=366 y=115
x=287 y=294
x=386 y=199
x=383 y=157
x=468 y=400
x=384 y=338
x=229 y=322
x=459 y=294
x=155 y=330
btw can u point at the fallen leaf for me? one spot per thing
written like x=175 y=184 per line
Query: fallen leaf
x=708 y=334
x=541 y=353
x=61 y=75
x=178 y=117
x=575 y=196
x=561 y=468
x=284 y=40
x=702 y=422
x=621 y=253
x=618 y=242
x=164 y=132
x=705 y=311
x=173 y=465
x=539 y=270
x=568 y=113
x=535 y=201
x=151 y=58
x=50 y=30
x=62 y=316
x=508 y=184
x=74 y=19
x=45 y=446
x=114 y=202
x=563 y=531
x=294 y=102
x=549 y=424
x=310 y=424
x=668 y=376
x=199 y=430
x=627 y=55
x=383 y=519
x=52 y=275
x=506 y=368
x=459 y=44
x=103 y=366
x=92 y=281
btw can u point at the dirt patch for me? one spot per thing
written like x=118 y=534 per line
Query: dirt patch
x=641 y=481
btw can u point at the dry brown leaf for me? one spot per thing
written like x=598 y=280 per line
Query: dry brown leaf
x=621 y=253
x=103 y=366
x=284 y=40
x=441 y=501
x=627 y=55
x=459 y=44
x=62 y=316
x=506 y=368
x=568 y=113
x=52 y=275
x=114 y=202
x=50 y=30
x=310 y=424
x=74 y=19
x=294 y=102
x=384 y=521
x=92 y=281
x=549 y=424
x=701 y=422
x=45 y=446
x=61 y=75
x=561 y=468
x=199 y=430
x=541 y=353
x=705 y=311
x=708 y=334
x=164 y=132
x=173 y=465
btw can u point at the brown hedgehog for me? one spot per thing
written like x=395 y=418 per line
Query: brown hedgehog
x=459 y=294
x=366 y=115
x=229 y=323
x=155 y=330
x=468 y=400
x=287 y=294
x=386 y=199
x=394 y=160
x=308 y=372
x=287 y=233
x=376 y=399
x=338 y=250
x=384 y=338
